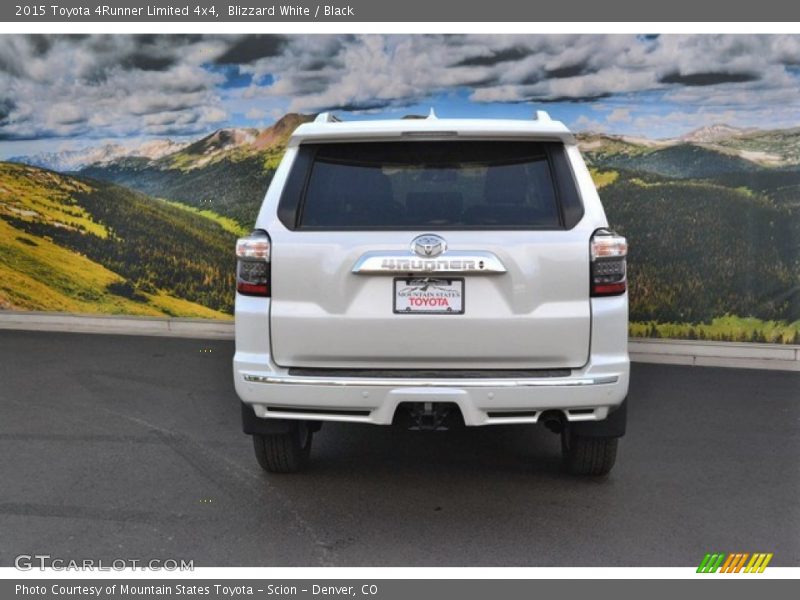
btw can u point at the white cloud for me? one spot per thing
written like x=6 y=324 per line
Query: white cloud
x=584 y=123
x=104 y=86
x=322 y=72
x=125 y=85
x=619 y=115
x=255 y=114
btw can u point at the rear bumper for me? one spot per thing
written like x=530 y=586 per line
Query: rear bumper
x=585 y=394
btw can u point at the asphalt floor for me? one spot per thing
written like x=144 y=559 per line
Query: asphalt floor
x=131 y=447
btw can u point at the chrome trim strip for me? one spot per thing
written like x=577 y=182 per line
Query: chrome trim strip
x=394 y=263
x=459 y=383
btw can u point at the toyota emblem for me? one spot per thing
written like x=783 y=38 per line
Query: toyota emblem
x=428 y=245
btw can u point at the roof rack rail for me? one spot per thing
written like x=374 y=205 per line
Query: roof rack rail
x=327 y=117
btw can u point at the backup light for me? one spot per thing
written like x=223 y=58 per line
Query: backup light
x=609 y=253
x=253 y=273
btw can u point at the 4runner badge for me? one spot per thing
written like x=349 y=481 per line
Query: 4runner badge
x=428 y=245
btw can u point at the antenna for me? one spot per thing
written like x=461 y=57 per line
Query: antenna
x=541 y=115
x=432 y=114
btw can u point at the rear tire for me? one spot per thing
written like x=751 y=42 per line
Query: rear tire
x=284 y=452
x=585 y=455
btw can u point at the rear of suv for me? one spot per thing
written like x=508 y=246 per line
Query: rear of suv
x=432 y=272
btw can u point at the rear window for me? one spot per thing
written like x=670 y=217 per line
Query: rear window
x=417 y=185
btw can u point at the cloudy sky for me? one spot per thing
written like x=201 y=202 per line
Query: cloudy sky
x=60 y=92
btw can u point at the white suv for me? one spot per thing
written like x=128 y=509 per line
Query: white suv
x=432 y=272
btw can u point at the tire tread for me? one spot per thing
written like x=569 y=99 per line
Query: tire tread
x=280 y=452
x=593 y=456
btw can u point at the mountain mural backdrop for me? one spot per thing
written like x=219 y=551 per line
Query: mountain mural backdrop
x=713 y=220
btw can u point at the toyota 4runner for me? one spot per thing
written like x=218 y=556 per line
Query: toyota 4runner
x=432 y=272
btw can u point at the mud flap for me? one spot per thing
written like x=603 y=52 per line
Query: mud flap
x=612 y=426
x=251 y=424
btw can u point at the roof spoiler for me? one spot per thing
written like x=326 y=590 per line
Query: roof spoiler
x=328 y=117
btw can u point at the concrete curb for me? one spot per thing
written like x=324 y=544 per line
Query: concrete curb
x=660 y=351
x=715 y=354
x=118 y=325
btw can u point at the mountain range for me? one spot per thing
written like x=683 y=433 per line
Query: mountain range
x=713 y=218
x=716 y=133
x=152 y=166
x=66 y=161
x=778 y=148
x=166 y=153
x=229 y=170
x=773 y=148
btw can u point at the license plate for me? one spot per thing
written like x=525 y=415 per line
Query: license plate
x=429 y=295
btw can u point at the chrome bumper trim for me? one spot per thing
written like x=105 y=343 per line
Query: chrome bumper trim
x=457 y=383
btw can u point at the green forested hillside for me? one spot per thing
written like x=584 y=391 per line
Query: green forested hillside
x=700 y=250
x=714 y=237
x=77 y=244
x=227 y=171
x=232 y=187
x=681 y=161
x=779 y=184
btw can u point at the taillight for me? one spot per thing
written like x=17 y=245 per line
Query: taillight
x=252 y=264
x=608 y=268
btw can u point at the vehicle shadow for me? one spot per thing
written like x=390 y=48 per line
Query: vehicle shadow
x=491 y=451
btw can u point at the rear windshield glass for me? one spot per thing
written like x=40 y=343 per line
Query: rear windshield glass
x=426 y=184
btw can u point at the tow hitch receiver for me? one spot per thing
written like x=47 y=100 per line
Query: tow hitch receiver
x=431 y=416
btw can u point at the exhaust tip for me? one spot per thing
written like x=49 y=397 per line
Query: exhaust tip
x=553 y=420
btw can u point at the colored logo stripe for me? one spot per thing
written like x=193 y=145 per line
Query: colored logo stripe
x=711 y=562
x=758 y=563
x=734 y=562
x=732 y=558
